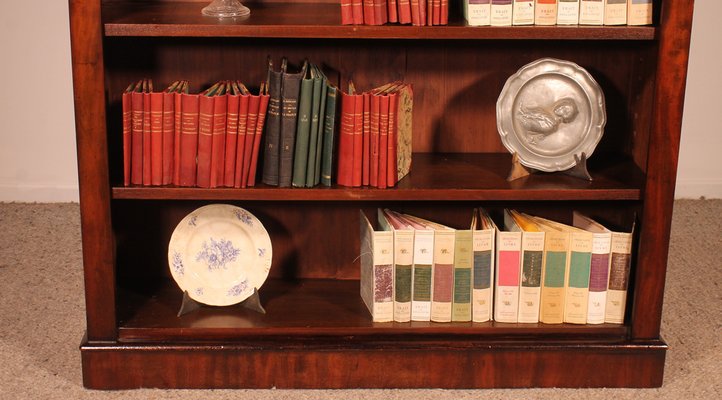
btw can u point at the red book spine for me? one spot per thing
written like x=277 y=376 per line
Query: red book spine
x=218 y=144
x=177 y=138
x=444 y=13
x=127 y=143
x=262 y=107
x=147 y=141
x=346 y=12
x=136 y=153
x=392 y=8
x=253 y=103
x=391 y=173
x=345 y=145
x=229 y=174
x=189 y=139
x=156 y=138
x=205 y=141
x=405 y=11
x=383 y=140
x=168 y=136
x=380 y=12
x=358 y=131
x=430 y=12
x=423 y=8
x=240 y=173
x=369 y=12
x=365 y=171
x=358 y=12
x=437 y=12
x=374 y=139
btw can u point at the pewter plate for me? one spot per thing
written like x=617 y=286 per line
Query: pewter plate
x=549 y=112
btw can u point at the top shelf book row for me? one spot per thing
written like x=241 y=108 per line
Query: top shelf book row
x=317 y=20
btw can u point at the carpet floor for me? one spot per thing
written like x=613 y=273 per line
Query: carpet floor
x=42 y=317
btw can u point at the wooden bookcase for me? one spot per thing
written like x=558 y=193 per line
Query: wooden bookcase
x=317 y=333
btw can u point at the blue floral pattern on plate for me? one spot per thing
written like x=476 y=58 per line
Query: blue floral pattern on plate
x=178 y=264
x=218 y=253
x=238 y=289
x=244 y=217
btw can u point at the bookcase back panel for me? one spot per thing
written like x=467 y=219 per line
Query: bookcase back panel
x=456 y=83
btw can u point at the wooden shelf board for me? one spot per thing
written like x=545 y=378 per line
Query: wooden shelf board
x=435 y=177
x=317 y=308
x=316 y=20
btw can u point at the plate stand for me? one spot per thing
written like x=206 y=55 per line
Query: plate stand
x=579 y=170
x=189 y=305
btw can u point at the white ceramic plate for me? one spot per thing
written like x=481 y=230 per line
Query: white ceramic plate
x=549 y=112
x=219 y=253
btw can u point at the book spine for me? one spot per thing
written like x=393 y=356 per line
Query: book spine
x=383 y=141
x=405 y=11
x=639 y=12
x=328 y=137
x=532 y=247
x=321 y=129
x=568 y=12
x=218 y=144
x=615 y=12
x=177 y=137
x=523 y=12
x=404 y=132
x=127 y=142
x=240 y=178
x=368 y=12
x=271 y=150
x=442 y=276
x=189 y=139
x=478 y=12
x=357 y=12
x=392 y=11
x=375 y=121
x=506 y=285
x=444 y=12
x=303 y=132
x=262 y=111
x=577 y=285
x=346 y=12
x=621 y=261
x=591 y=12
x=599 y=278
x=366 y=140
x=403 y=260
x=229 y=168
x=254 y=103
x=358 y=129
x=551 y=305
x=463 y=261
x=168 y=136
x=380 y=12
x=415 y=13
x=437 y=12
x=313 y=148
x=483 y=274
x=289 y=99
x=501 y=13
x=545 y=12
x=345 y=151
x=377 y=259
x=421 y=275
x=391 y=160
x=147 y=141
x=156 y=138
x=424 y=12
x=205 y=141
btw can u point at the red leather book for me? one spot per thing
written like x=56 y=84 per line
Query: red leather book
x=391 y=176
x=437 y=12
x=383 y=140
x=430 y=12
x=392 y=8
x=346 y=12
x=358 y=12
x=177 y=131
x=262 y=107
x=168 y=132
x=345 y=143
x=251 y=125
x=423 y=11
x=136 y=134
x=147 y=134
x=234 y=100
x=444 y=12
x=241 y=177
x=127 y=120
x=374 y=140
x=368 y=6
x=358 y=130
x=189 y=138
x=218 y=144
x=156 y=138
x=205 y=137
x=366 y=157
x=405 y=10
x=380 y=12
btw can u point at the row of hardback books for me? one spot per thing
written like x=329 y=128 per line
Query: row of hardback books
x=528 y=270
x=379 y=12
x=557 y=12
x=208 y=139
x=375 y=135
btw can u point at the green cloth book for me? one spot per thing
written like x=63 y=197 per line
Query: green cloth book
x=321 y=129
x=303 y=128
x=329 y=134
x=314 y=133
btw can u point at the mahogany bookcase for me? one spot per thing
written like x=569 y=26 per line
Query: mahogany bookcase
x=317 y=333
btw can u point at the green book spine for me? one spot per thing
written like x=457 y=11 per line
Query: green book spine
x=313 y=138
x=291 y=88
x=328 y=136
x=463 y=261
x=321 y=129
x=303 y=128
x=272 y=146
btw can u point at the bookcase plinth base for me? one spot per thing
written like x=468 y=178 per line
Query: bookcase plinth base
x=499 y=364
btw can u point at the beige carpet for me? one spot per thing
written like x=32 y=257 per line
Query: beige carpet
x=42 y=317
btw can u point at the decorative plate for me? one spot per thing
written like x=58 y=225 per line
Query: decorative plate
x=219 y=253
x=550 y=111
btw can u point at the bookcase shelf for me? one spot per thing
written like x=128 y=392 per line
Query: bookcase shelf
x=323 y=20
x=317 y=332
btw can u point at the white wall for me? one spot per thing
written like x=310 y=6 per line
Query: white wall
x=37 y=142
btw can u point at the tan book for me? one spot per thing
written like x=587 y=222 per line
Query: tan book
x=523 y=13
x=599 y=269
x=403 y=263
x=591 y=12
x=501 y=12
x=568 y=12
x=377 y=270
x=483 y=233
x=545 y=12
x=639 y=12
x=532 y=252
x=554 y=272
x=615 y=12
x=463 y=262
x=621 y=261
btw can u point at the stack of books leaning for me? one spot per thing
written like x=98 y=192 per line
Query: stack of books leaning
x=375 y=138
x=379 y=12
x=210 y=139
x=557 y=12
x=531 y=270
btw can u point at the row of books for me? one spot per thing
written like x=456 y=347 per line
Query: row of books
x=375 y=138
x=531 y=270
x=557 y=12
x=379 y=12
x=209 y=139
